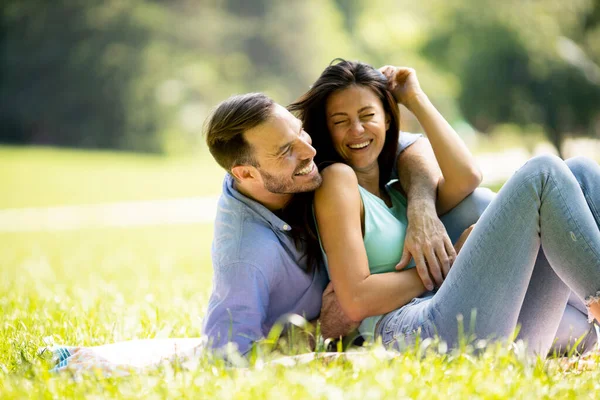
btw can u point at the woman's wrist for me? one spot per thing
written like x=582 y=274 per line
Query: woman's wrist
x=417 y=102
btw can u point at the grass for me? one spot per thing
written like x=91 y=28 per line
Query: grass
x=99 y=286
x=36 y=177
x=91 y=287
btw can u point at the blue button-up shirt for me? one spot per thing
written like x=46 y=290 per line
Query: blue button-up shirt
x=259 y=273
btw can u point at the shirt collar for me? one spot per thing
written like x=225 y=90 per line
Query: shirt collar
x=258 y=209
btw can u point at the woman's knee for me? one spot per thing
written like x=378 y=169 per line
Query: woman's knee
x=580 y=165
x=546 y=165
x=543 y=162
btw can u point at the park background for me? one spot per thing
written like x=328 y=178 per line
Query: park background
x=107 y=190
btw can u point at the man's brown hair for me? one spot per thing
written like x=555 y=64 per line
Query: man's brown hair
x=226 y=126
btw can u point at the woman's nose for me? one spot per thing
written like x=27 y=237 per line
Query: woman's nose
x=357 y=127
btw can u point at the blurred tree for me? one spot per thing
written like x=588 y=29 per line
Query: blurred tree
x=143 y=74
x=67 y=69
x=517 y=65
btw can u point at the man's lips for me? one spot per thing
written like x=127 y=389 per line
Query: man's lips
x=305 y=170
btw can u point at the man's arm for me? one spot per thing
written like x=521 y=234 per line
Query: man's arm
x=237 y=307
x=424 y=172
x=426 y=238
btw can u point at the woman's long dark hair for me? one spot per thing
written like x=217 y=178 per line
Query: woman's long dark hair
x=311 y=109
x=340 y=75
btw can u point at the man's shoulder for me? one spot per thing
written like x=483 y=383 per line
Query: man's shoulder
x=242 y=221
x=406 y=139
x=241 y=236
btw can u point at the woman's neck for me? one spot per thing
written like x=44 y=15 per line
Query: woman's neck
x=368 y=179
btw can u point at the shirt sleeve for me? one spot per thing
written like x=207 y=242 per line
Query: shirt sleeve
x=405 y=139
x=237 y=308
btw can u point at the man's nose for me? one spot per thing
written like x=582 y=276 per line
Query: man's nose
x=307 y=151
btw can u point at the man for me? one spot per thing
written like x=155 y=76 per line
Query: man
x=261 y=273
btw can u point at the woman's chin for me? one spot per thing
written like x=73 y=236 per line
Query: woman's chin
x=361 y=163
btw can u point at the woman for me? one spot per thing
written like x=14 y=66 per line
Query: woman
x=361 y=221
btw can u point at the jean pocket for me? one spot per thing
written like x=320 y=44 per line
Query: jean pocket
x=406 y=324
x=403 y=340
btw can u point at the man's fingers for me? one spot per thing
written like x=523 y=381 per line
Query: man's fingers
x=450 y=251
x=423 y=272
x=444 y=260
x=434 y=268
x=404 y=260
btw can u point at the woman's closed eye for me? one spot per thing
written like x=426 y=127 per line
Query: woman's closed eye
x=367 y=116
x=340 y=122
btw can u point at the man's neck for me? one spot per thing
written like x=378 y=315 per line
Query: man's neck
x=272 y=201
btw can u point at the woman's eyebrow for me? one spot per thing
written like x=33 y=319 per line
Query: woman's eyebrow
x=344 y=114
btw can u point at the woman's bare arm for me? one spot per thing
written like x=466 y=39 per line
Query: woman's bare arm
x=338 y=213
x=460 y=173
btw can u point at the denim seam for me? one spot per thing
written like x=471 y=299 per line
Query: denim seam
x=588 y=244
x=526 y=179
x=591 y=204
x=427 y=319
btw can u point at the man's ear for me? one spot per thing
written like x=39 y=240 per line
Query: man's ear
x=244 y=172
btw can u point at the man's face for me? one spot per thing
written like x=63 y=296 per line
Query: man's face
x=284 y=154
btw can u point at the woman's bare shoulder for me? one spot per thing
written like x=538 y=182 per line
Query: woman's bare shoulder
x=339 y=182
x=337 y=172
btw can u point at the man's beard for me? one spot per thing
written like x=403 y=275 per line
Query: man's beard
x=275 y=184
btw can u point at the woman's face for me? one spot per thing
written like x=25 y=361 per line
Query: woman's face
x=357 y=124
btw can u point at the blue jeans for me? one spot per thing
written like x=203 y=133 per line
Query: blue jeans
x=501 y=279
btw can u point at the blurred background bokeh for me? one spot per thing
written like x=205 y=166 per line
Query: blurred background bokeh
x=142 y=75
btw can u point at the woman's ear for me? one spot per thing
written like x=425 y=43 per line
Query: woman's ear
x=388 y=120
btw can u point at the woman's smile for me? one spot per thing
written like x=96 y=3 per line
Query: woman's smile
x=360 y=146
x=357 y=124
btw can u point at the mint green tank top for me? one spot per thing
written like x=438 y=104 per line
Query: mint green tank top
x=385 y=229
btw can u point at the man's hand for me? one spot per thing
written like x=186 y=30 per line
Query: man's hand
x=402 y=82
x=463 y=238
x=428 y=243
x=334 y=322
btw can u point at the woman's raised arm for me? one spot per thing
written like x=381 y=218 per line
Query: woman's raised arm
x=460 y=173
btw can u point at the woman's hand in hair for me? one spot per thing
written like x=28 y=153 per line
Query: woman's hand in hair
x=403 y=83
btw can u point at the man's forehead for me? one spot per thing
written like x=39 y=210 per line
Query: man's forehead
x=274 y=131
